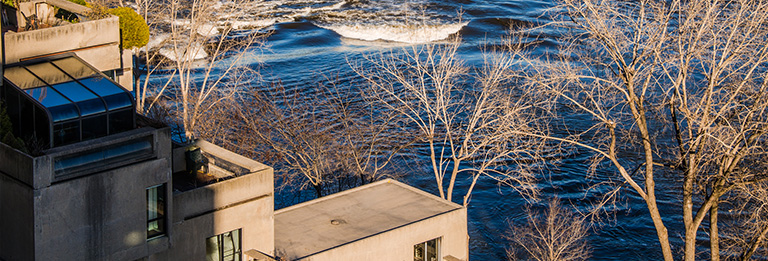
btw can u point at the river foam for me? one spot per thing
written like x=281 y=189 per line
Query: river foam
x=403 y=33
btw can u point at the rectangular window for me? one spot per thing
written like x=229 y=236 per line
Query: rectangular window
x=224 y=247
x=427 y=251
x=155 y=211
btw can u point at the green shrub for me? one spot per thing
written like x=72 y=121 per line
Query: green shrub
x=134 y=31
x=10 y=3
x=79 y=2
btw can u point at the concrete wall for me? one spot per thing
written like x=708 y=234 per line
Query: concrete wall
x=397 y=244
x=16 y=216
x=245 y=202
x=93 y=216
x=16 y=164
x=254 y=218
x=97 y=42
x=99 y=217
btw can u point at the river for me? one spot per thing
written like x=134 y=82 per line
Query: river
x=312 y=38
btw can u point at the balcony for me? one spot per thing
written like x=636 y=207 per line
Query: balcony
x=86 y=157
x=225 y=179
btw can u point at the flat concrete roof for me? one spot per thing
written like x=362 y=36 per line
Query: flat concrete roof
x=325 y=223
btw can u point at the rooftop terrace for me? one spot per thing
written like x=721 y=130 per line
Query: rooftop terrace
x=339 y=219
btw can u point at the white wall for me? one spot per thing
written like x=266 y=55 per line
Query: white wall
x=397 y=244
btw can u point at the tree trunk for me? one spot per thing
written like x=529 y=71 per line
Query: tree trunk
x=714 y=236
x=690 y=229
x=435 y=168
x=318 y=190
x=638 y=111
x=661 y=230
x=454 y=173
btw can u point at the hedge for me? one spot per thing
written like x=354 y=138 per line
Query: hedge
x=134 y=31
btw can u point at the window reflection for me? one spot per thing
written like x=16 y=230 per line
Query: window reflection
x=75 y=67
x=224 y=247
x=22 y=78
x=48 y=73
x=427 y=251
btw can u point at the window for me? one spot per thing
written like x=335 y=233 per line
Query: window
x=155 y=211
x=427 y=251
x=224 y=247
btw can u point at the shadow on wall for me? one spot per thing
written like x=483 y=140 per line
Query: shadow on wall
x=221 y=200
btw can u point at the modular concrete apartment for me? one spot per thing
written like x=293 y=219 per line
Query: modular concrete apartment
x=96 y=181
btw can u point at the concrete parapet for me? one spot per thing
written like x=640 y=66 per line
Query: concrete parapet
x=84 y=158
x=251 y=180
x=16 y=164
x=97 y=42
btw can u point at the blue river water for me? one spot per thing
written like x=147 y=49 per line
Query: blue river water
x=311 y=39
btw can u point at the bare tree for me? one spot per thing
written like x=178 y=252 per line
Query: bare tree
x=206 y=54
x=745 y=230
x=468 y=124
x=151 y=60
x=556 y=235
x=318 y=138
x=671 y=87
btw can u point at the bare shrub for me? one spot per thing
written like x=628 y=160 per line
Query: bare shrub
x=555 y=235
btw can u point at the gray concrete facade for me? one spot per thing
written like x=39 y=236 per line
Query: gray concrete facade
x=99 y=212
x=95 y=213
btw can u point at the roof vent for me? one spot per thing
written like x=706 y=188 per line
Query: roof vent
x=337 y=222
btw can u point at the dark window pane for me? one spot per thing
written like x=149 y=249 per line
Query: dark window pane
x=120 y=121
x=26 y=121
x=22 y=78
x=13 y=107
x=103 y=155
x=95 y=127
x=427 y=251
x=42 y=129
x=75 y=67
x=66 y=133
x=418 y=252
x=156 y=211
x=432 y=250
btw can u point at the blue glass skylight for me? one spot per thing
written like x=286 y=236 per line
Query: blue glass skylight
x=88 y=102
x=69 y=88
x=61 y=108
x=64 y=100
x=113 y=95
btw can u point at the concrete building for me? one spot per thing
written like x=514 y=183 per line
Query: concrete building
x=102 y=186
x=95 y=181
x=385 y=220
